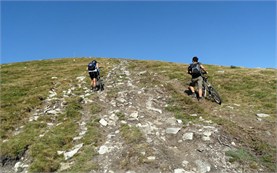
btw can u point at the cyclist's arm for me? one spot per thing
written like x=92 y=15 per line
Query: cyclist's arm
x=203 y=68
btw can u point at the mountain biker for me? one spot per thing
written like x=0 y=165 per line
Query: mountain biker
x=196 y=69
x=94 y=72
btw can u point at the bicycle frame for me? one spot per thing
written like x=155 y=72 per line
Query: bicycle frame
x=209 y=92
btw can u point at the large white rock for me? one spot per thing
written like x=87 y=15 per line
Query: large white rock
x=188 y=136
x=263 y=115
x=72 y=152
x=172 y=130
x=103 y=122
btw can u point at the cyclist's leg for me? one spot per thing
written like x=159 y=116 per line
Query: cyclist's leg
x=191 y=87
x=200 y=84
x=91 y=79
x=94 y=79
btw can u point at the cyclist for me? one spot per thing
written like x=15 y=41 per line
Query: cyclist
x=93 y=70
x=196 y=69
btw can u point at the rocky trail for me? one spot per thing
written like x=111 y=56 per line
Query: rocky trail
x=165 y=144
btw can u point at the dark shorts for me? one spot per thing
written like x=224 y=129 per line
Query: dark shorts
x=93 y=74
x=198 y=80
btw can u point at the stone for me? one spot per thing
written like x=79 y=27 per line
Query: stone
x=149 y=106
x=103 y=149
x=50 y=124
x=143 y=72
x=262 y=115
x=121 y=100
x=18 y=167
x=113 y=117
x=41 y=135
x=53 y=112
x=77 y=138
x=179 y=121
x=188 y=136
x=123 y=122
x=134 y=115
x=193 y=115
x=185 y=163
x=82 y=133
x=72 y=152
x=60 y=152
x=103 y=122
x=171 y=121
x=52 y=93
x=69 y=92
x=172 y=130
x=151 y=158
x=202 y=166
x=206 y=135
x=131 y=172
x=179 y=170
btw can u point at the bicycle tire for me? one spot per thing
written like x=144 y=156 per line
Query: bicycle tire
x=215 y=95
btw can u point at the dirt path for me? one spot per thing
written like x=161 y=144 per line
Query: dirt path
x=168 y=145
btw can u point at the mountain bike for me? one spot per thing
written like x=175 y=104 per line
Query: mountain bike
x=209 y=92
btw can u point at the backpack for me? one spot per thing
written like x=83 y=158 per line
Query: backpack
x=195 y=68
x=92 y=65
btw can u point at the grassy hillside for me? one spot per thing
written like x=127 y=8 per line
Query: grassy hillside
x=25 y=87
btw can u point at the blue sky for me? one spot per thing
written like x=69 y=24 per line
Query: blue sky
x=240 y=33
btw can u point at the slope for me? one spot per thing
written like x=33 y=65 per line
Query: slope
x=142 y=122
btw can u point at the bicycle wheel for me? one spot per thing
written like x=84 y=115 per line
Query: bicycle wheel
x=215 y=95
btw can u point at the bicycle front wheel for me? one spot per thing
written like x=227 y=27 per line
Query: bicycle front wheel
x=215 y=95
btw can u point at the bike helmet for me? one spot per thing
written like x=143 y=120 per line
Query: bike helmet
x=195 y=59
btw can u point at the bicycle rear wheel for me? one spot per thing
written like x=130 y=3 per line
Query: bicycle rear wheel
x=215 y=95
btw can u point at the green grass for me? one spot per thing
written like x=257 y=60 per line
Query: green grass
x=266 y=154
x=120 y=115
x=133 y=156
x=242 y=156
x=242 y=86
x=24 y=88
x=59 y=138
x=131 y=134
x=83 y=162
x=26 y=85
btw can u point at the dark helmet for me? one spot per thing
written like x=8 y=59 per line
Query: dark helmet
x=195 y=59
x=94 y=61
